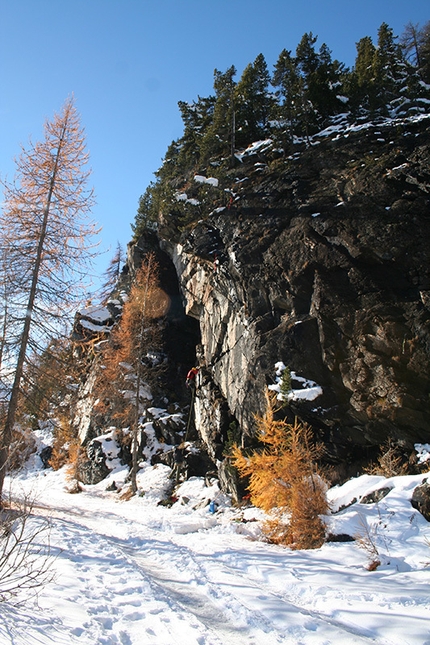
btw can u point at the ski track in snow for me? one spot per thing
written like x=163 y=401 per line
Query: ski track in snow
x=134 y=573
x=159 y=592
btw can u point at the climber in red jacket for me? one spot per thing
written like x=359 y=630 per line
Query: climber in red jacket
x=191 y=377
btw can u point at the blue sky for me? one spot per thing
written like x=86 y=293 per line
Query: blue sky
x=128 y=63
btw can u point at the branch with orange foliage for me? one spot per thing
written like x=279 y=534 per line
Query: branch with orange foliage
x=46 y=244
x=284 y=479
x=127 y=371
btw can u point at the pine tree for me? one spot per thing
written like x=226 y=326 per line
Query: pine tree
x=219 y=139
x=253 y=103
x=361 y=82
x=46 y=237
x=388 y=68
x=327 y=84
x=307 y=65
x=197 y=117
x=307 y=58
x=289 y=107
x=146 y=216
x=112 y=273
x=321 y=78
x=364 y=61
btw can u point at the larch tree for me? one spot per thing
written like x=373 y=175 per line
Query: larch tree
x=284 y=478
x=131 y=363
x=415 y=42
x=47 y=242
x=424 y=49
x=5 y=291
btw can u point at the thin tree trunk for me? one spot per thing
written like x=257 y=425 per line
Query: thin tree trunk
x=233 y=130
x=135 y=436
x=19 y=370
x=138 y=381
x=3 y=338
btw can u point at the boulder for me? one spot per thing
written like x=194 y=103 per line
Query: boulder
x=421 y=499
x=93 y=469
x=376 y=495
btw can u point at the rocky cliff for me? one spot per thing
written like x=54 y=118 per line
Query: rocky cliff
x=321 y=263
x=315 y=259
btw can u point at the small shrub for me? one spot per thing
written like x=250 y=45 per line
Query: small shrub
x=64 y=444
x=22 y=446
x=390 y=462
x=366 y=539
x=233 y=434
x=285 y=385
x=25 y=553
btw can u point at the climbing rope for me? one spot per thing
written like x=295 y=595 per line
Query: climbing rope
x=193 y=394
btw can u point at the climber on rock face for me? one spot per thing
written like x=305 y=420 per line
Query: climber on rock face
x=191 y=377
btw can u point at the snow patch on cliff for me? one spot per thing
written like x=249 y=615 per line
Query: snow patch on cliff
x=307 y=391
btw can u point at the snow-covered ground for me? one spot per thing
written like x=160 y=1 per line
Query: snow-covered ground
x=136 y=573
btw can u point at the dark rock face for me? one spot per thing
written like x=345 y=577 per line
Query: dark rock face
x=324 y=265
x=375 y=496
x=190 y=464
x=93 y=469
x=45 y=455
x=421 y=499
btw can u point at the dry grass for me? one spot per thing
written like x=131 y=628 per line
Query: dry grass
x=390 y=462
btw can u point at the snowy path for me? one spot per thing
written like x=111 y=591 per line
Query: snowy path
x=247 y=613
x=134 y=573
x=162 y=592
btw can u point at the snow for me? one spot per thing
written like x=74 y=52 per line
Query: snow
x=254 y=148
x=423 y=452
x=308 y=390
x=136 y=573
x=183 y=197
x=99 y=318
x=212 y=181
x=342 y=126
x=95 y=327
x=97 y=313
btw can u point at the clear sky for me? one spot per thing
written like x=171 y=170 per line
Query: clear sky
x=128 y=63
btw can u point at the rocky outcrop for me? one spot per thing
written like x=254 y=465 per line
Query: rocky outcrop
x=93 y=469
x=322 y=263
x=316 y=258
x=421 y=499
